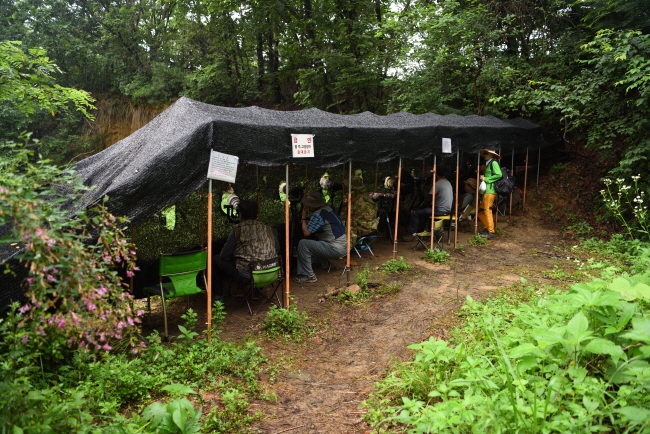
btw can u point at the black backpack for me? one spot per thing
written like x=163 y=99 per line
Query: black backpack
x=506 y=185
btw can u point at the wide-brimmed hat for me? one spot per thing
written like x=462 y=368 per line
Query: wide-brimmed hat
x=471 y=182
x=313 y=199
x=490 y=151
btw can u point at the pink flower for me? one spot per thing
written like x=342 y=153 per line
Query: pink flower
x=140 y=313
x=132 y=252
x=102 y=290
x=24 y=309
x=134 y=351
x=121 y=325
x=75 y=318
x=61 y=323
x=51 y=278
x=90 y=305
x=30 y=280
x=24 y=338
x=136 y=268
x=130 y=321
x=106 y=347
x=129 y=273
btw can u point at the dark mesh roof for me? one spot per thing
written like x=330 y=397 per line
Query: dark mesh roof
x=167 y=159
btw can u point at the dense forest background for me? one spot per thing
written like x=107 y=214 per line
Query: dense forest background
x=580 y=68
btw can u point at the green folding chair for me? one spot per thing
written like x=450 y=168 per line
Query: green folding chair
x=267 y=278
x=179 y=270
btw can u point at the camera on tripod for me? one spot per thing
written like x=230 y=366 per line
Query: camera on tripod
x=229 y=204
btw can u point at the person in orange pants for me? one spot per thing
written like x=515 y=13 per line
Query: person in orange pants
x=492 y=174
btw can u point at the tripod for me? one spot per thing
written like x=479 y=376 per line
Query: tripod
x=386 y=207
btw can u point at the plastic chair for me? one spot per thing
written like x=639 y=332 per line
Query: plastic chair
x=181 y=269
x=266 y=279
x=363 y=243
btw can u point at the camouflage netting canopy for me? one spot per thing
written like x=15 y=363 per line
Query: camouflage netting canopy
x=166 y=160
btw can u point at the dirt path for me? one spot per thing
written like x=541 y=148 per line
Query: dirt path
x=321 y=383
x=327 y=379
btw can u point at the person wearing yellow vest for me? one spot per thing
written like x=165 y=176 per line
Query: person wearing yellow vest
x=492 y=174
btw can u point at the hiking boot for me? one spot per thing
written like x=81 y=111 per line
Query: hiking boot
x=407 y=238
x=483 y=233
x=305 y=279
x=487 y=235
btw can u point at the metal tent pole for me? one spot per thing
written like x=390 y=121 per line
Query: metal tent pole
x=376 y=175
x=259 y=200
x=209 y=264
x=539 y=160
x=456 y=208
x=525 y=181
x=478 y=177
x=512 y=172
x=433 y=201
x=287 y=248
x=347 y=263
x=399 y=184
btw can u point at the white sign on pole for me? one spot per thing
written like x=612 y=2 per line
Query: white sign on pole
x=446 y=145
x=302 y=145
x=223 y=167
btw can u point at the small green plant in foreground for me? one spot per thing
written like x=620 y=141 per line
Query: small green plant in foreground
x=288 y=323
x=477 y=240
x=395 y=265
x=368 y=291
x=436 y=256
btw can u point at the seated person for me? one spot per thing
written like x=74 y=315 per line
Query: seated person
x=444 y=199
x=249 y=241
x=469 y=199
x=327 y=227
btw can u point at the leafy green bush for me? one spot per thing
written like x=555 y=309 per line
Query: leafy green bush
x=75 y=296
x=477 y=240
x=395 y=265
x=288 y=323
x=436 y=256
x=569 y=362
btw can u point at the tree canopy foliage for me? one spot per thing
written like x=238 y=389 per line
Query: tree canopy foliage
x=579 y=67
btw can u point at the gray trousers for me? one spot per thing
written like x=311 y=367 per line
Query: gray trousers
x=311 y=249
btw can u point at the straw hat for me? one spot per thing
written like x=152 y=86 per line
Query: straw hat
x=490 y=151
x=313 y=199
x=471 y=182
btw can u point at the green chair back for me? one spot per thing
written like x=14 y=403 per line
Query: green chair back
x=182 y=269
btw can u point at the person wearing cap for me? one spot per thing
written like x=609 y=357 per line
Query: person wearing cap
x=492 y=174
x=469 y=198
x=326 y=225
x=444 y=199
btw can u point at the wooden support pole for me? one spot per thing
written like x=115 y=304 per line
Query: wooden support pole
x=478 y=182
x=349 y=226
x=512 y=172
x=287 y=244
x=399 y=184
x=455 y=222
x=433 y=201
x=209 y=264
